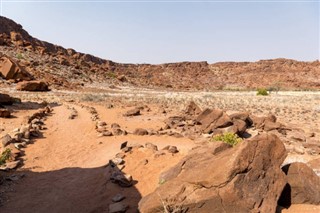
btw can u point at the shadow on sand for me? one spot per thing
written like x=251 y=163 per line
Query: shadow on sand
x=64 y=191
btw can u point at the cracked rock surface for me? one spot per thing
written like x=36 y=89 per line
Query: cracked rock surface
x=246 y=178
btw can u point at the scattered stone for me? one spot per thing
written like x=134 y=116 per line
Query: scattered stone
x=115 y=126
x=6 y=140
x=244 y=116
x=133 y=112
x=5 y=113
x=105 y=133
x=192 y=109
x=32 y=86
x=296 y=135
x=118 y=198
x=6 y=99
x=116 y=161
x=15 y=177
x=159 y=153
x=74 y=113
x=118 y=207
x=123 y=180
x=171 y=149
x=101 y=123
x=126 y=149
x=10 y=165
x=117 y=131
x=151 y=146
x=120 y=155
x=140 y=131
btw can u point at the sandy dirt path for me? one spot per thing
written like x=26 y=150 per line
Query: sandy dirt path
x=65 y=170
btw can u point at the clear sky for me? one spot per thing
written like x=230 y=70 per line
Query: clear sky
x=170 y=31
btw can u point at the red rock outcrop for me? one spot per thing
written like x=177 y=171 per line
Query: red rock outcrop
x=246 y=178
x=33 y=86
x=9 y=69
x=80 y=68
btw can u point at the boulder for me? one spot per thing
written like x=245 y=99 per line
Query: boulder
x=10 y=165
x=9 y=69
x=269 y=126
x=6 y=140
x=6 y=99
x=151 y=146
x=133 y=112
x=5 y=113
x=244 y=116
x=215 y=119
x=239 y=127
x=174 y=121
x=303 y=185
x=259 y=122
x=192 y=109
x=140 y=131
x=123 y=180
x=245 y=178
x=32 y=86
x=171 y=149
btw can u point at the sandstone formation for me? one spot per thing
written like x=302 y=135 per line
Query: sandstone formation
x=246 y=178
x=303 y=185
x=40 y=86
x=9 y=69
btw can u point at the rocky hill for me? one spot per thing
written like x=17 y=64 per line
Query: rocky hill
x=62 y=67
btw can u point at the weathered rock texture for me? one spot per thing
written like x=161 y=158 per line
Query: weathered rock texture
x=33 y=86
x=215 y=178
x=303 y=185
x=9 y=69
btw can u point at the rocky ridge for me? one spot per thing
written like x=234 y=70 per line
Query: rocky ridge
x=55 y=64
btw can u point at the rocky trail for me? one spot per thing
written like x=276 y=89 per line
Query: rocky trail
x=65 y=170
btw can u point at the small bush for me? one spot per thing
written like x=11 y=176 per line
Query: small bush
x=228 y=137
x=5 y=155
x=19 y=56
x=111 y=75
x=262 y=92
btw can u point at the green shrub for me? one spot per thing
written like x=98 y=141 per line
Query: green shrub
x=263 y=92
x=5 y=155
x=19 y=56
x=111 y=75
x=228 y=137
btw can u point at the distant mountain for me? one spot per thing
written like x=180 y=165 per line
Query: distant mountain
x=63 y=67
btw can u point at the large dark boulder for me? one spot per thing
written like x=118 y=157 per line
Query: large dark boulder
x=6 y=99
x=246 y=178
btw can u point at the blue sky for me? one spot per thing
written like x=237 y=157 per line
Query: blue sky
x=163 y=31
